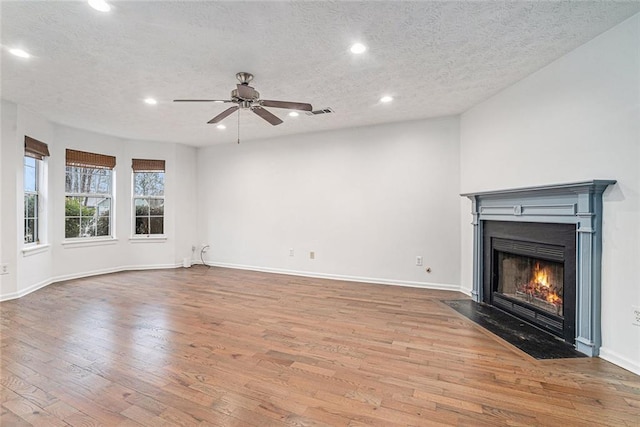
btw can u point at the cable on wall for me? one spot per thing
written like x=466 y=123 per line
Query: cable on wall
x=202 y=251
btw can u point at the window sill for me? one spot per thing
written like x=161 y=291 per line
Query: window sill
x=160 y=238
x=35 y=249
x=83 y=243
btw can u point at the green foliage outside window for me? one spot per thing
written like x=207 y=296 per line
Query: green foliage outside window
x=86 y=218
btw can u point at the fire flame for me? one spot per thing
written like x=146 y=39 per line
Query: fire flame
x=541 y=286
x=540 y=276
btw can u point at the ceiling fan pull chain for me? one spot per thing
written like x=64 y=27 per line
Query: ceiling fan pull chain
x=239 y=126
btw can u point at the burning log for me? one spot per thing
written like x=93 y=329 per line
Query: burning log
x=541 y=295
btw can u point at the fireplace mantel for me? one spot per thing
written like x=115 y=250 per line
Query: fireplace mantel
x=578 y=203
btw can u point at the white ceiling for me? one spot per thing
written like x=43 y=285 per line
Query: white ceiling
x=92 y=70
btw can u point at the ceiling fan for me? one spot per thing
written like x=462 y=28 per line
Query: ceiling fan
x=246 y=97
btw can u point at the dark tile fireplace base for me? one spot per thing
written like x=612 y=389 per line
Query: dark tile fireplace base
x=522 y=335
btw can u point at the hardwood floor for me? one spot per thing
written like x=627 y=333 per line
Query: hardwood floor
x=209 y=347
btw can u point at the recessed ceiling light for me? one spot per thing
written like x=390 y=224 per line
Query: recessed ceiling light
x=358 y=48
x=386 y=99
x=100 y=5
x=221 y=127
x=294 y=114
x=150 y=101
x=19 y=52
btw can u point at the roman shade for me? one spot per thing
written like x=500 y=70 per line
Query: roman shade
x=146 y=165
x=91 y=160
x=34 y=148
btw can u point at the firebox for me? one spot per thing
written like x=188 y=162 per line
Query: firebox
x=530 y=273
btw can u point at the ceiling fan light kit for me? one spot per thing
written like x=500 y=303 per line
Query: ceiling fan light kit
x=247 y=98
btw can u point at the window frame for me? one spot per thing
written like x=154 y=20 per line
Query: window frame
x=140 y=166
x=83 y=164
x=37 y=197
x=38 y=151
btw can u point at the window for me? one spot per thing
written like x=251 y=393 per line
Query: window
x=34 y=154
x=148 y=196
x=88 y=190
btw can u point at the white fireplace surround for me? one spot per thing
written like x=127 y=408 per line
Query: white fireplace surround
x=578 y=203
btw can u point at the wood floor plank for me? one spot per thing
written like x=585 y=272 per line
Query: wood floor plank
x=219 y=347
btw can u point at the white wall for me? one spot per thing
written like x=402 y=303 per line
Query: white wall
x=8 y=219
x=367 y=201
x=186 y=203
x=576 y=119
x=31 y=270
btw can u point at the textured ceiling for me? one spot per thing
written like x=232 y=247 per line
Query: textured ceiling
x=93 y=70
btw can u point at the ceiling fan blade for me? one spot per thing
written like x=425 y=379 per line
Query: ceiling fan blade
x=202 y=100
x=270 y=117
x=224 y=114
x=246 y=92
x=286 y=104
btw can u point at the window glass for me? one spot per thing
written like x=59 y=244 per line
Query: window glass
x=30 y=174
x=148 y=202
x=31 y=197
x=88 y=203
x=149 y=183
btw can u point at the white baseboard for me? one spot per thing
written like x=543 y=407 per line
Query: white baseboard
x=32 y=288
x=83 y=274
x=80 y=275
x=623 y=362
x=375 y=280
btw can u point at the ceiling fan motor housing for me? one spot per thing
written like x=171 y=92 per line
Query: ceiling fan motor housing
x=235 y=96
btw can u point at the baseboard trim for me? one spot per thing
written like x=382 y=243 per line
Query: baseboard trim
x=374 y=280
x=72 y=276
x=616 y=359
x=20 y=294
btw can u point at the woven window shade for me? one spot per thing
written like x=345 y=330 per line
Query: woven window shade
x=90 y=160
x=146 y=165
x=34 y=148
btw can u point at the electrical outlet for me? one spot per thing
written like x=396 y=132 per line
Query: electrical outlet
x=635 y=311
x=4 y=268
x=193 y=248
x=312 y=255
x=419 y=261
x=291 y=252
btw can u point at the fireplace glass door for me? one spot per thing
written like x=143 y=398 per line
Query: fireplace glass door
x=531 y=280
x=529 y=271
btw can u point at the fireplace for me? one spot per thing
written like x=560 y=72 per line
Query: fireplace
x=530 y=272
x=537 y=253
